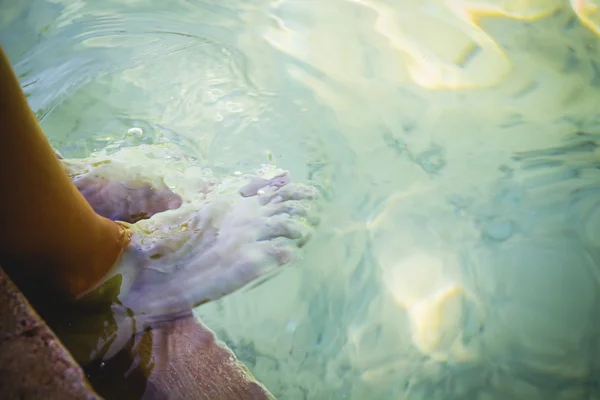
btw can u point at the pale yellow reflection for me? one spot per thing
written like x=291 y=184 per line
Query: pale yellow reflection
x=516 y=9
x=435 y=301
x=442 y=51
x=440 y=44
x=588 y=12
x=445 y=47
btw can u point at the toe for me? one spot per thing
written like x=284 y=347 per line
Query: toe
x=295 y=208
x=292 y=192
x=292 y=207
x=257 y=183
x=281 y=254
x=284 y=226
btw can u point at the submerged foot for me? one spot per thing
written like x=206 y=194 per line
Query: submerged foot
x=219 y=236
x=181 y=258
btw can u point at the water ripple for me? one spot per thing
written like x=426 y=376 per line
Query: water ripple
x=456 y=141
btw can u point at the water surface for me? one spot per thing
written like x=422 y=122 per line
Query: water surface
x=456 y=143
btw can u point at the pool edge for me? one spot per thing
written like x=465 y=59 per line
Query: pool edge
x=34 y=364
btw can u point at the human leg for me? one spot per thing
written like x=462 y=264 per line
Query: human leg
x=49 y=234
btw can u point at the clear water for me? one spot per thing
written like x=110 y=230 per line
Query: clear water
x=459 y=251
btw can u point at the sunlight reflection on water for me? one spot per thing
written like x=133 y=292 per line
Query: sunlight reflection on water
x=457 y=142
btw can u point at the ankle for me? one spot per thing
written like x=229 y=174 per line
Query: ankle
x=112 y=239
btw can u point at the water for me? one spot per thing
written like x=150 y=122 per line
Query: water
x=458 y=254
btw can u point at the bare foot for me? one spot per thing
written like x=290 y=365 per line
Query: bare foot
x=225 y=234
x=182 y=258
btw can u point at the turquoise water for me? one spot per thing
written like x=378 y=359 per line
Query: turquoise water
x=457 y=149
